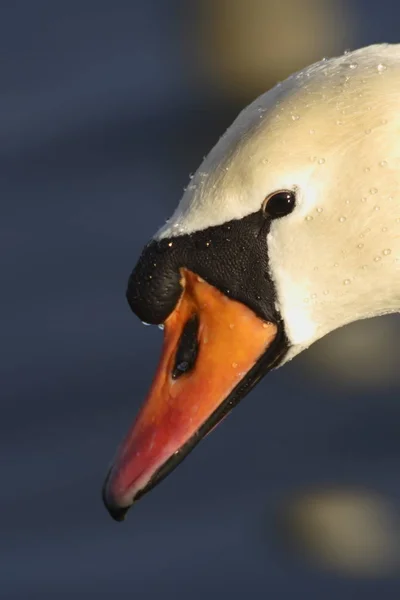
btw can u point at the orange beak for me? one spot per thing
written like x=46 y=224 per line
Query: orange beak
x=211 y=354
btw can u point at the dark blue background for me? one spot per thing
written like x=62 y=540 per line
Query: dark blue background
x=100 y=125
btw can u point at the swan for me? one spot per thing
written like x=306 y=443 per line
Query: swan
x=289 y=229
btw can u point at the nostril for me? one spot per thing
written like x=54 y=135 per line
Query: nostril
x=186 y=354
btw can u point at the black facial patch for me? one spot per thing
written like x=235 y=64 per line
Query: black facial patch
x=233 y=257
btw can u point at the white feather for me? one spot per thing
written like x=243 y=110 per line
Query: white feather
x=332 y=133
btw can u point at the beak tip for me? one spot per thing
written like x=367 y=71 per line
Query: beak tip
x=117 y=513
x=115 y=510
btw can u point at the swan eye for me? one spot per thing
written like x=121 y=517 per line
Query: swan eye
x=279 y=204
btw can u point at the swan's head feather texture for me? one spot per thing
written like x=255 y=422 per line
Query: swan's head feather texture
x=331 y=133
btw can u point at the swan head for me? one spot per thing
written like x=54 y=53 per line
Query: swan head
x=289 y=229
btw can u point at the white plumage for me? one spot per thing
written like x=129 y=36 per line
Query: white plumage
x=332 y=133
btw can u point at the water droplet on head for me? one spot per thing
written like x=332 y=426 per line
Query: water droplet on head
x=325 y=292
x=312 y=131
x=319 y=209
x=367 y=131
x=234 y=365
x=353 y=65
x=387 y=251
x=313 y=296
x=309 y=218
x=360 y=246
x=170 y=244
x=342 y=219
x=381 y=68
x=295 y=117
x=376 y=207
x=231 y=325
x=383 y=163
x=377 y=258
x=384 y=229
x=321 y=161
x=367 y=169
x=373 y=190
x=346 y=282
